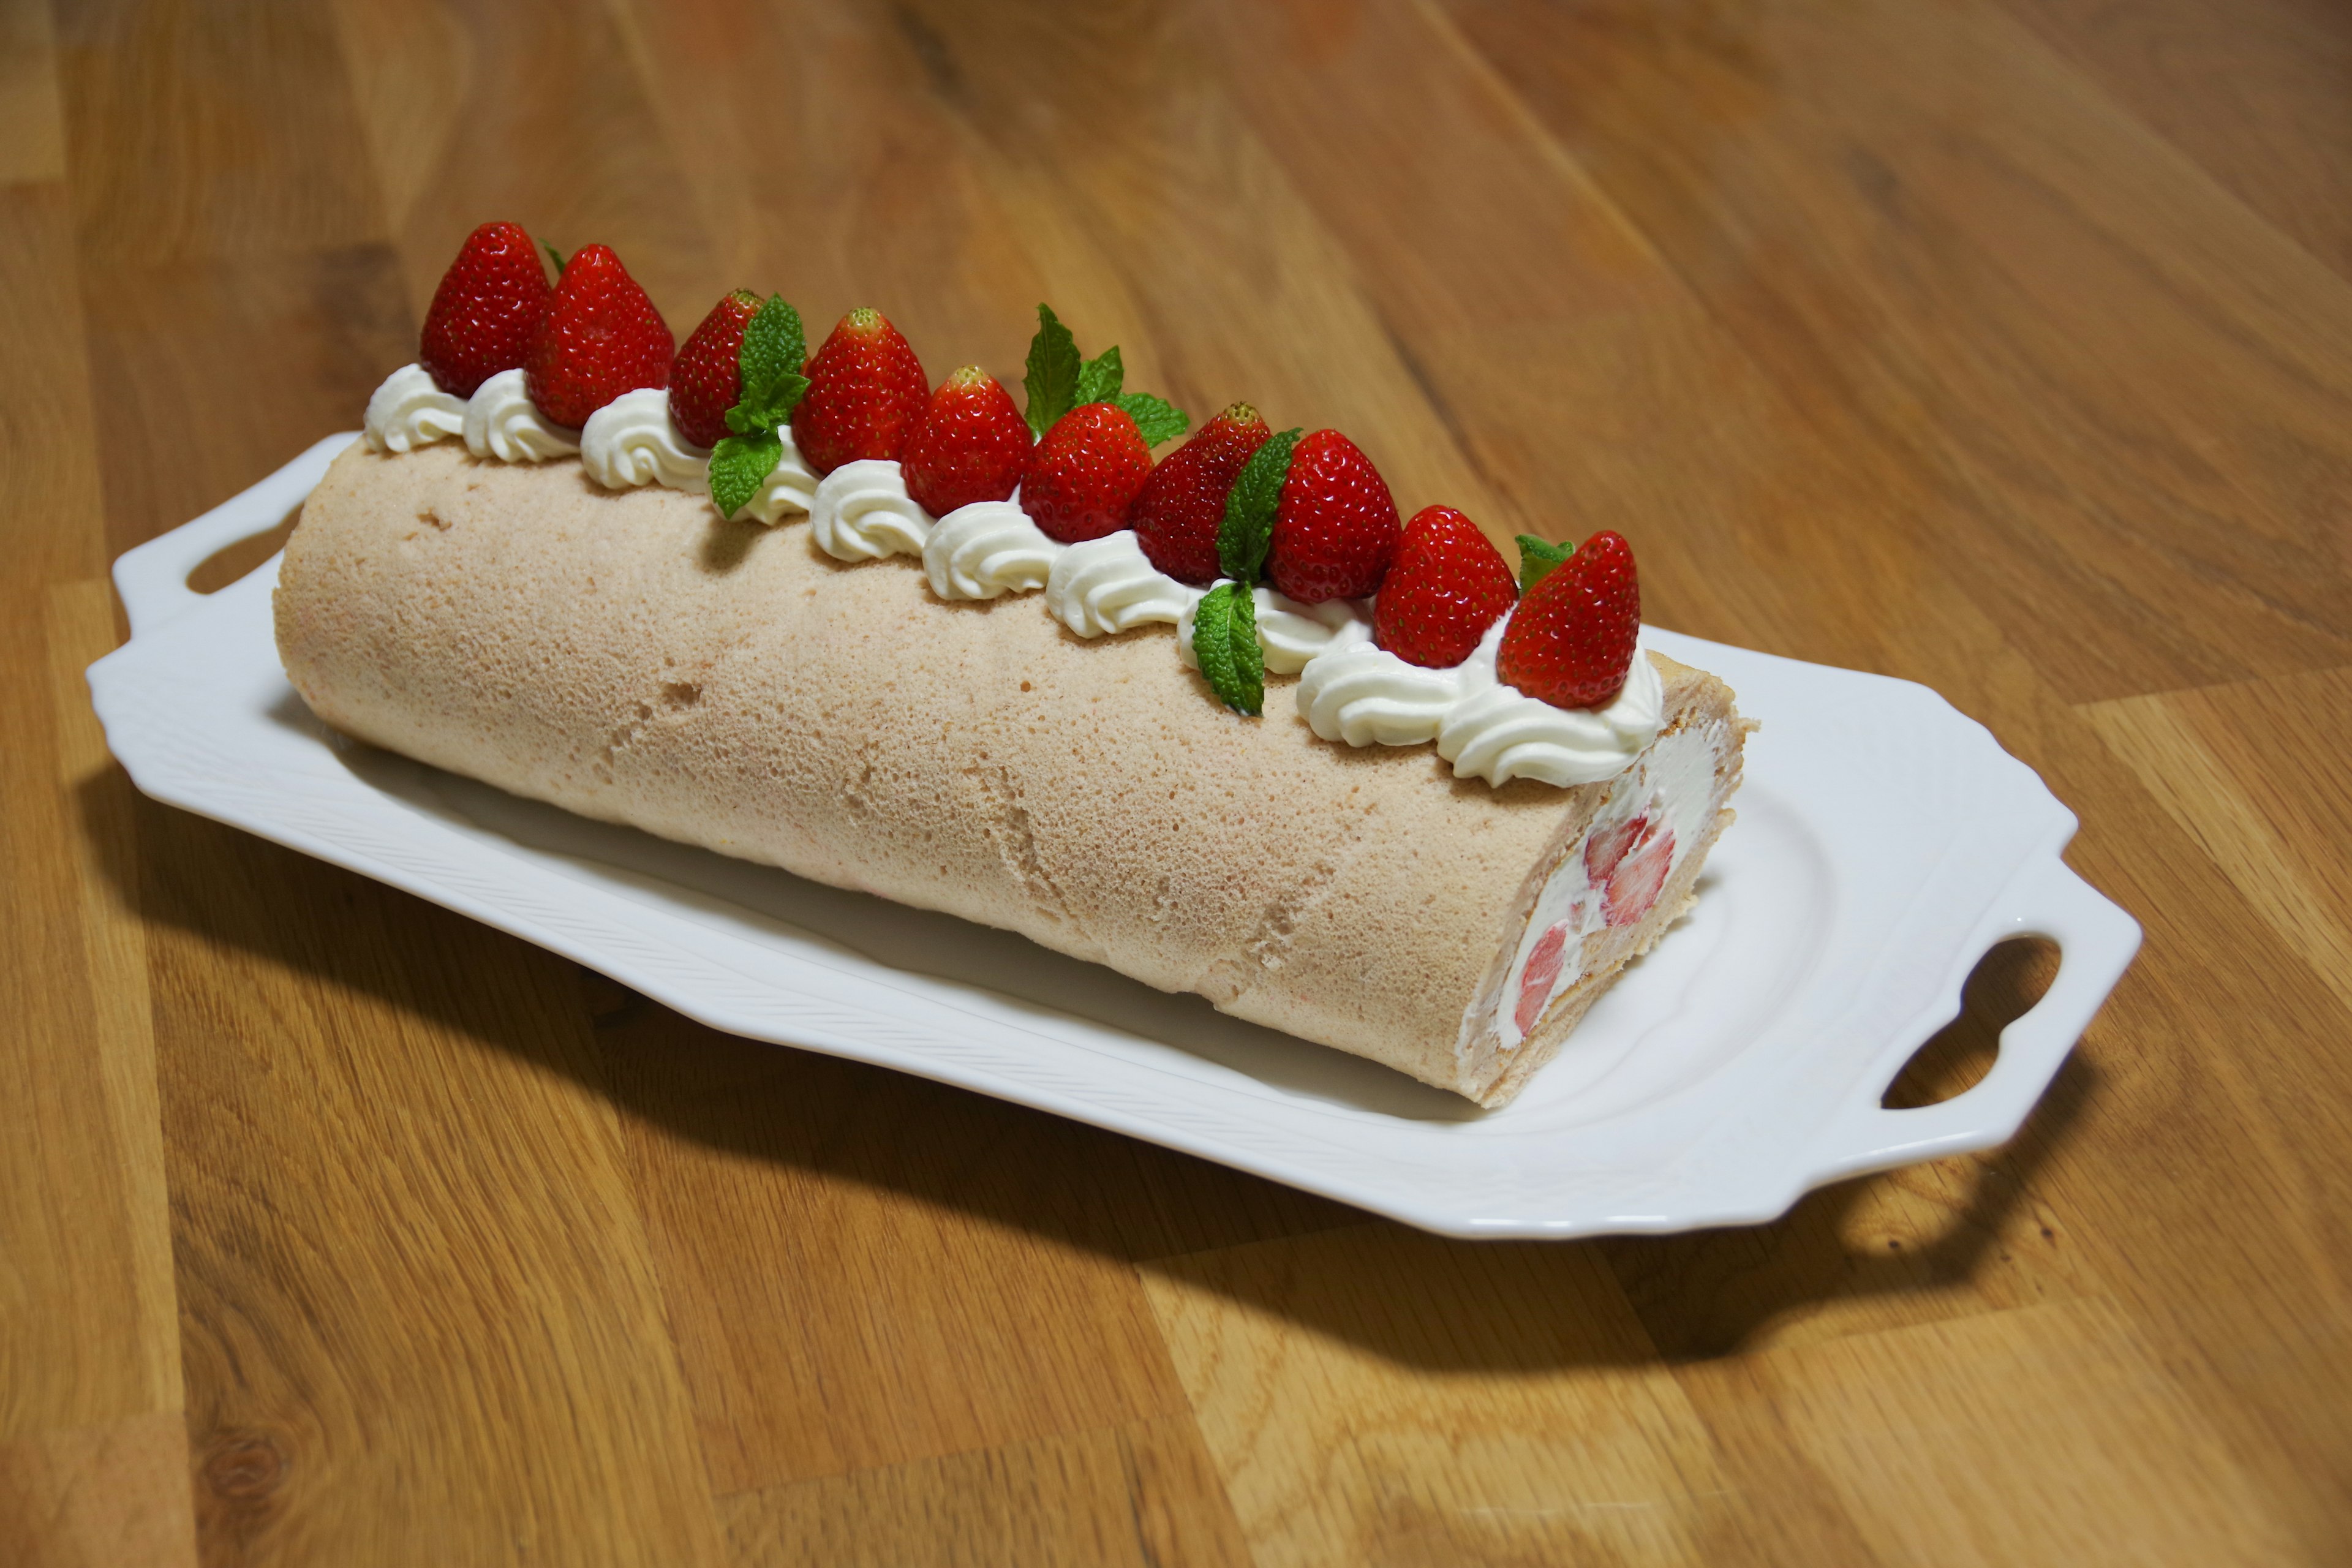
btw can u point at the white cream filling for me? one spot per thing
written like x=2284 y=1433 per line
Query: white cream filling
x=1673 y=784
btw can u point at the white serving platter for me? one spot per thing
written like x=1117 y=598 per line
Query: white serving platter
x=1884 y=842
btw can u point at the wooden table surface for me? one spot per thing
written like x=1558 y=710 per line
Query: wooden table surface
x=2005 y=345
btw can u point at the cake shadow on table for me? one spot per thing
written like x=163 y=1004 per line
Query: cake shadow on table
x=841 y=1123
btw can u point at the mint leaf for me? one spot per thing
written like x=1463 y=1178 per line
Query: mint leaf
x=773 y=348
x=1101 y=378
x=1159 y=419
x=739 y=465
x=1052 y=383
x=1225 y=639
x=1248 y=527
x=1539 y=556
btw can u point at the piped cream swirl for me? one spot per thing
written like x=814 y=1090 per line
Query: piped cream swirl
x=632 y=440
x=502 y=422
x=862 y=513
x=1108 y=584
x=1365 y=695
x=987 y=548
x=790 y=487
x=410 y=410
x=1290 y=634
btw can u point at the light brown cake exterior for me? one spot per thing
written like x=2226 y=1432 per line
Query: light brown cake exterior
x=632 y=656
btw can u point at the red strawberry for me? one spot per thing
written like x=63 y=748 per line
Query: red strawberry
x=867 y=393
x=1634 y=886
x=601 y=337
x=1571 y=640
x=1084 y=474
x=485 y=311
x=1447 y=585
x=1184 y=502
x=707 y=379
x=1606 y=845
x=971 y=445
x=1535 y=981
x=1335 y=530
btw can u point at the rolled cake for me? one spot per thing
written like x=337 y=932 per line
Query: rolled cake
x=633 y=656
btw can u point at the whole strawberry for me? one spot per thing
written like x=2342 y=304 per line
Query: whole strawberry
x=971 y=446
x=707 y=378
x=1335 y=531
x=485 y=311
x=1446 y=586
x=1571 y=640
x=1184 y=502
x=1083 y=476
x=601 y=337
x=867 y=393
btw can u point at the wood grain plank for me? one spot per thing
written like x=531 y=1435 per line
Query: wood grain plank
x=524 y=112
x=861 y=138
x=865 y=1270
x=1375 y=1394
x=1950 y=248
x=309 y=336
x=98 y=1497
x=2255 y=773
x=80 y=623
x=413 y=1286
x=32 y=123
x=2046 y=1435
x=1143 y=1494
x=196 y=134
x=2177 y=1143
x=2254 y=92
x=84 y=1287
x=1157 y=195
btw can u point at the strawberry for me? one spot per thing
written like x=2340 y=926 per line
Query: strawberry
x=971 y=445
x=1182 y=504
x=1535 y=981
x=484 y=313
x=1571 y=640
x=1446 y=586
x=601 y=337
x=1607 y=843
x=1336 y=528
x=1634 y=885
x=867 y=393
x=707 y=379
x=1084 y=474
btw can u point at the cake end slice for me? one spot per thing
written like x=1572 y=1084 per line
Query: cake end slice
x=1624 y=869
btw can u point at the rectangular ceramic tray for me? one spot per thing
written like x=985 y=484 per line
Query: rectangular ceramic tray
x=1884 y=841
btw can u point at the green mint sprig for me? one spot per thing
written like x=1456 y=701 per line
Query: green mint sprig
x=1225 y=639
x=1248 y=528
x=774 y=348
x=1059 y=380
x=1224 y=626
x=1537 y=557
